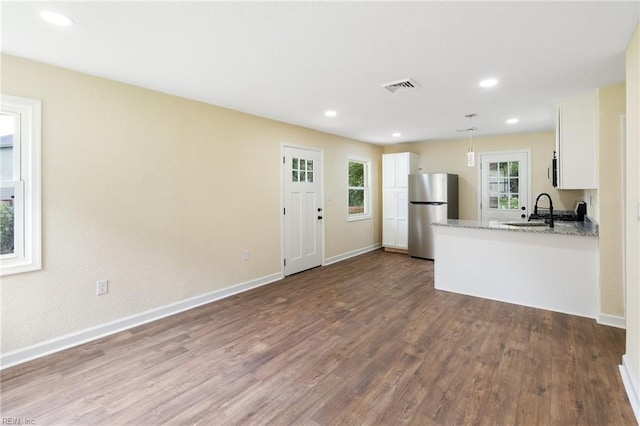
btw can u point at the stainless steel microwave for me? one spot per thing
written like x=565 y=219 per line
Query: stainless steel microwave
x=554 y=170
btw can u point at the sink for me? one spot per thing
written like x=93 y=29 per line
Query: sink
x=561 y=224
x=540 y=224
x=525 y=224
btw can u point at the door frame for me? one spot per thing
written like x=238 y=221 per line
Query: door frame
x=479 y=176
x=324 y=211
x=623 y=143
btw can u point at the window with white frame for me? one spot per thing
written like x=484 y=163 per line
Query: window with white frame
x=20 y=247
x=359 y=198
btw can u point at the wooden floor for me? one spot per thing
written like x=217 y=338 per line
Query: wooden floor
x=365 y=341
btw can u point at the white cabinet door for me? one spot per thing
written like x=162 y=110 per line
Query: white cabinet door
x=402 y=170
x=395 y=198
x=389 y=213
x=402 y=218
x=388 y=171
x=576 y=143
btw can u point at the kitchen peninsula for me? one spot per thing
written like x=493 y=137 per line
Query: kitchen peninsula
x=538 y=266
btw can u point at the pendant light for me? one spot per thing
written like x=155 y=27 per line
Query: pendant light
x=471 y=158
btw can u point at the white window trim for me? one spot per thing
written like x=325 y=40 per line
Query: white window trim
x=367 y=189
x=28 y=256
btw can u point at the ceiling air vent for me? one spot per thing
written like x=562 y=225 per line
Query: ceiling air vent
x=400 y=86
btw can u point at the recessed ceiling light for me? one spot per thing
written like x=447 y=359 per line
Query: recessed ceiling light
x=330 y=113
x=56 y=18
x=490 y=82
x=396 y=134
x=513 y=120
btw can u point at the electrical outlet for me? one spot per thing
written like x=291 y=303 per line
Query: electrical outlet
x=102 y=287
x=245 y=255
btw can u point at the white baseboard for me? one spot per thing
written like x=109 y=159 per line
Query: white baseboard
x=631 y=386
x=354 y=253
x=612 y=320
x=58 y=344
x=61 y=343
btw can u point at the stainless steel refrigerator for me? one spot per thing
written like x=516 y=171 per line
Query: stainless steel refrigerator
x=433 y=197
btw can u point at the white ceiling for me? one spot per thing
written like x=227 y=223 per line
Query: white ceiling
x=291 y=61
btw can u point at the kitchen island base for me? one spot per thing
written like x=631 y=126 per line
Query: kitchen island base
x=540 y=270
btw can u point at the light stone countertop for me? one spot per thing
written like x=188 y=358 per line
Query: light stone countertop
x=588 y=228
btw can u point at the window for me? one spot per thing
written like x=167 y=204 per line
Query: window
x=302 y=170
x=359 y=189
x=20 y=185
x=504 y=190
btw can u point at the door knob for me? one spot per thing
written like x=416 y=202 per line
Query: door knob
x=523 y=215
x=319 y=217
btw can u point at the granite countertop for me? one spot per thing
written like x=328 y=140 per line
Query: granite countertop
x=588 y=228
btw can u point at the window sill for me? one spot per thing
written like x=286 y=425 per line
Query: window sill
x=356 y=218
x=11 y=268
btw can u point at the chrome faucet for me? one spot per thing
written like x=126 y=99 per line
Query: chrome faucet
x=535 y=209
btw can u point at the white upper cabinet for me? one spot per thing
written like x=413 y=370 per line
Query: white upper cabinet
x=389 y=170
x=395 y=202
x=396 y=169
x=577 y=142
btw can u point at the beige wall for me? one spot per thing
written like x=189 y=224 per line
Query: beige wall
x=450 y=157
x=159 y=195
x=632 y=228
x=609 y=206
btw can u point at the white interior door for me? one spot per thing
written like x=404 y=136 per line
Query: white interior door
x=504 y=186
x=303 y=212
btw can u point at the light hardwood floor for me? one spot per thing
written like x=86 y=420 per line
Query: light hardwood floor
x=364 y=341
